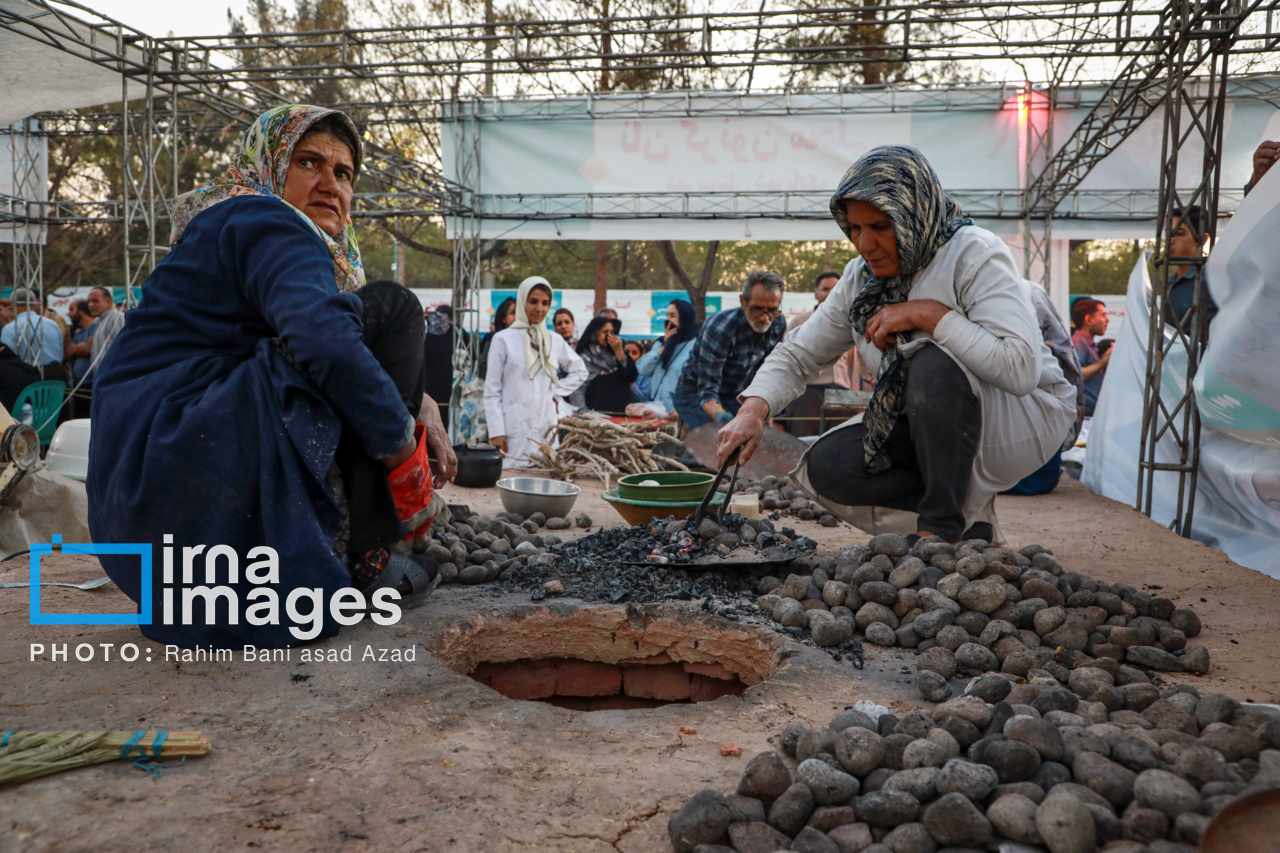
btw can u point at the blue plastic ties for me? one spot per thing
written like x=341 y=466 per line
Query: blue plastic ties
x=4 y=741
x=131 y=743
x=155 y=770
x=149 y=764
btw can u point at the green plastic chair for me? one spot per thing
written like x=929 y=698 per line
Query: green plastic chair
x=45 y=399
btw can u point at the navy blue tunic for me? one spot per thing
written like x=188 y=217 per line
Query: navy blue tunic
x=204 y=430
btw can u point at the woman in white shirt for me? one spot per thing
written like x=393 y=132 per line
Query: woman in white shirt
x=521 y=391
x=967 y=399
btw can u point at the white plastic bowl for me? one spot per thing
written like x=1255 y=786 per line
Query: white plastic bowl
x=69 y=451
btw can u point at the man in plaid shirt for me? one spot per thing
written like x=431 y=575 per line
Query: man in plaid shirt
x=729 y=349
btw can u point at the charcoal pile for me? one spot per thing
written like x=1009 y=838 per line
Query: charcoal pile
x=1027 y=764
x=635 y=563
x=669 y=541
x=973 y=608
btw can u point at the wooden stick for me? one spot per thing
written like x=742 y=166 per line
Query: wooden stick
x=177 y=743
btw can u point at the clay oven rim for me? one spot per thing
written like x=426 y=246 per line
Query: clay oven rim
x=608 y=634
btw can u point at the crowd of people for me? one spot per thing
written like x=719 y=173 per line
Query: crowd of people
x=39 y=345
x=264 y=374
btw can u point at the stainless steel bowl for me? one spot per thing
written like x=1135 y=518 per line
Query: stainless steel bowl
x=527 y=495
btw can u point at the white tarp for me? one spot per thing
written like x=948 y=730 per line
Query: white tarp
x=1237 y=502
x=31 y=187
x=36 y=76
x=1237 y=386
x=42 y=504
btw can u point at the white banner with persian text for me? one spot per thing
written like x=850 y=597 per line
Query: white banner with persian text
x=578 y=170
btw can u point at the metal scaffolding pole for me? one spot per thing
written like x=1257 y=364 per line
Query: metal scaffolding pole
x=26 y=206
x=1037 y=226
x=467 y=247
x=1193 y=119
x=149 y=132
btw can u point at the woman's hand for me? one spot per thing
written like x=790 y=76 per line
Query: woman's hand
x=445 y=467
x=922 y=314
x=500 y=442
x=615 y=344
x=671 y=330
x=743 y=431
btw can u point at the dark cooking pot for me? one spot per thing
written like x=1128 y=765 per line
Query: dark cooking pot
x=479 y=465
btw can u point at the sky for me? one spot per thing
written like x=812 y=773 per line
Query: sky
x=163 y=17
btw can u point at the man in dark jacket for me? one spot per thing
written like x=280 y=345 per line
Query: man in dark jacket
x=15 y=374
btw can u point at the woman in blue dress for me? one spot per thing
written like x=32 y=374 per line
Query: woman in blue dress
x=263 y=396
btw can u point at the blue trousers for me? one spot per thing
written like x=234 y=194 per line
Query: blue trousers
x=1041 y=481
x=690 y=410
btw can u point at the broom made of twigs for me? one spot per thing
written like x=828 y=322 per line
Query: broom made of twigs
x=29 y=755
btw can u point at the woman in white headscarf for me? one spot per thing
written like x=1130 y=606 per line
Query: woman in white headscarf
x=522 y=394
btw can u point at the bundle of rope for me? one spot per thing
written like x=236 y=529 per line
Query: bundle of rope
x=30 y=755
x=600 y=448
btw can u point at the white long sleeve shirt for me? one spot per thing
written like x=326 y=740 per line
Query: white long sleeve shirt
x=991 y=332
x=520 y=408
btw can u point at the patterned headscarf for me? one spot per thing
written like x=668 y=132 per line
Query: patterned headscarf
x=899 y=181
x=260 y=168
x=599 y=360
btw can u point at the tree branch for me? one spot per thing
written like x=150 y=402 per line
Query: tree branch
x=668 y=249
x=709 y=267
x=697 y=292
x=415 y=245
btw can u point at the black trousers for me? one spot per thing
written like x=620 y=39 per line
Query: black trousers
x=393 y=332
x=932 y=448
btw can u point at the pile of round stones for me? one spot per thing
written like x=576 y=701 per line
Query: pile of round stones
x=972 y=608
x=1009 y=767
x=1077 y=744
x=779 y=496
x=482 y=549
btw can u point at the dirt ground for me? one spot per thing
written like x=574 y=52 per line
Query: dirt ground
x=410 y=756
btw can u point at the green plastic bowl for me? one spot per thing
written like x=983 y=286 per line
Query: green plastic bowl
x=673 y=486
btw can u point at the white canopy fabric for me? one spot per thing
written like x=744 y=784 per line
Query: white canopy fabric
x=36 y=75
x=36 y=188
x=1237 y=505
x=687 y=167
